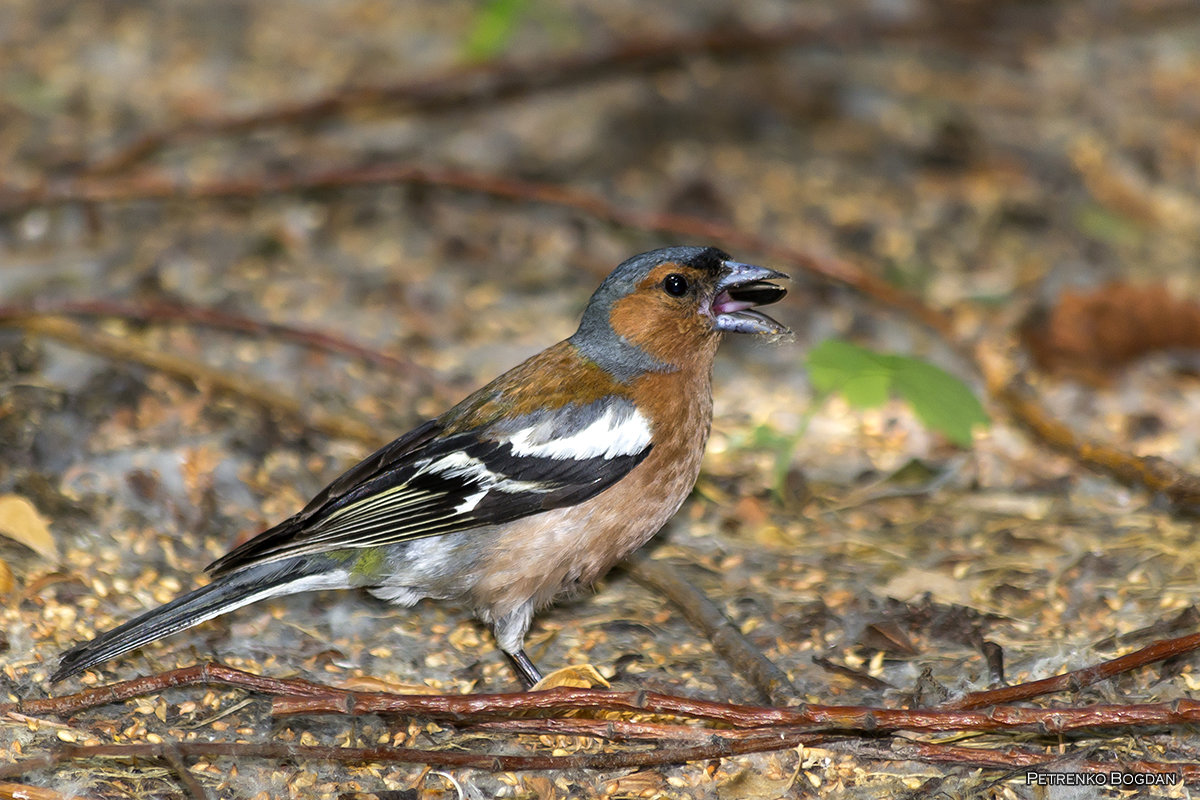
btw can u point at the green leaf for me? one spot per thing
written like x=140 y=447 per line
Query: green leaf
x=940 y=400
x=1100 y=223
x=869 y=390
x=834 y=364
x=865 y=378
x=493 y=28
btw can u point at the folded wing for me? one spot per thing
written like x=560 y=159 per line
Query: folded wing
x=428 y=484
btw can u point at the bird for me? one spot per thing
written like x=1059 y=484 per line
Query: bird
x=527 y=491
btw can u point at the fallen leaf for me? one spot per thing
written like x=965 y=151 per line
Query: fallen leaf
x=21 y=522
x=366 y=683
x=1091 y=334
x=751 y=784
x=647 y=783
x=6 y=578
x=583 y=676
x=540 y=786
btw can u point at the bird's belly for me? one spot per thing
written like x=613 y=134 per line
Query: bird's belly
x=541 y=557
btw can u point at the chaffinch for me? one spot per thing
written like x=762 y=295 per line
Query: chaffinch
x=529 y=489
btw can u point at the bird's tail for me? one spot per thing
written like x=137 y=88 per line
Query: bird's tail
x=225 y=593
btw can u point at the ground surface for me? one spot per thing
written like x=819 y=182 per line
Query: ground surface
x=1007 y=151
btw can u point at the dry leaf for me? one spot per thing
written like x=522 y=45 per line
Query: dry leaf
x=21 y=522
x=1091 y=334
x=583 y=676
x=751 y=784
x=6 y=578
x=366 y=683
x=647 y=783
x=540 y=786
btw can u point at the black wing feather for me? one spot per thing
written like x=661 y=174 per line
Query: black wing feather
x=344 y=490
x=393 y=495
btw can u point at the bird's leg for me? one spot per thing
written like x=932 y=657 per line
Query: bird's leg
x=525 y=668
x=510 y=635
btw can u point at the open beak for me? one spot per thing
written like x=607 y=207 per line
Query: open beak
x=743 y=288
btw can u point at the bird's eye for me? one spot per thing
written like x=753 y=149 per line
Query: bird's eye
x=675 y=285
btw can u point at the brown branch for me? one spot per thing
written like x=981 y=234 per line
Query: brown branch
x=264 y=395
x=475 y=86
x=1013 y=759
x=612 y=730
x=161 y=187
x=659 y=756
x=174 y=758
x=747 y=660
x=496 y=762
x=163 y=311
x=1157 y=475
x=1010 y=392
x=305 y=697
x=756 y=729
x=1077 y=679
x=812 y=717
x=207 y=674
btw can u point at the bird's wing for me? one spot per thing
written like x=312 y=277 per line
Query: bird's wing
x=428 y=483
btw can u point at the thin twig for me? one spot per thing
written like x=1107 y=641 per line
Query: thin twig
x=342 y=425
x=305 y=697
x=195 y=790
x=208 y=674
x=164 y=311
x=746 y=659
x=1077 y=679
x=660 y=756
x=810 y=717
x=1012 y=758
x=496 y=762
x=485 y=84
x=1009 y=391
x=161 y=187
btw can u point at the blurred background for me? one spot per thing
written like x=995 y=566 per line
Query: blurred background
x=243 y=243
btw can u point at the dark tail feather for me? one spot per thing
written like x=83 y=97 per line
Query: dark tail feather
x=224 y=594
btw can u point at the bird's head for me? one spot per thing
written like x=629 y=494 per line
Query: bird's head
x=661 y=310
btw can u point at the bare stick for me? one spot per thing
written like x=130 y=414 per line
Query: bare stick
x=1077 y=679
x=494 y=82
x=746 y=659
x=163 y=311
x=659 y=756
x=340 y=425
x=1010 y=391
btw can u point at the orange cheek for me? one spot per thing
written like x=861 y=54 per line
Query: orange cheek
x=660 y=327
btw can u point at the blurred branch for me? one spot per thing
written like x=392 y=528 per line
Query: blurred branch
x=1010 y=391
x=1157 y=475
x=261 y=394
x=163 y=311
x=716 y=747
x=157 y=186
x=726 y=638
x=486 y=84
x=973 y=29
x=191 y=784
